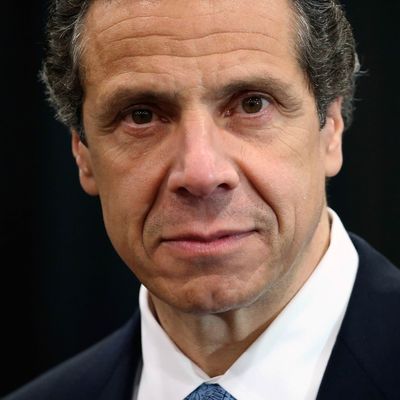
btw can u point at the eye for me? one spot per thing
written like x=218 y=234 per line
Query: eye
x=249 y=104
x=141 y=116
x=143 y=120
x=253 y=104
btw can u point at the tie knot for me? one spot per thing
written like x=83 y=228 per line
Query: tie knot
x=210 y=392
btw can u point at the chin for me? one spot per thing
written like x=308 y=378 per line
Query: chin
x=212 y=300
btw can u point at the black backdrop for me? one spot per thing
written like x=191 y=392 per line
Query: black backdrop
x=62 y=285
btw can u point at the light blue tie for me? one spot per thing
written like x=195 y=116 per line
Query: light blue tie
x=209 y=392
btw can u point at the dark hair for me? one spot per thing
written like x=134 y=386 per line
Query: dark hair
x=325 y=47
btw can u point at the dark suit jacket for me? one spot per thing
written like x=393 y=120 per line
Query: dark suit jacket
x=364 y=365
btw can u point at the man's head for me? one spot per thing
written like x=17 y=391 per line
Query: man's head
x=211 y=128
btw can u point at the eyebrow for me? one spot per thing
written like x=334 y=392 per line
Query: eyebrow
x=124 y=95
x=282 y=91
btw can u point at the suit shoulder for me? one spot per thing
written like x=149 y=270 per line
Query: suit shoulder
x=377 y=270
x=84 y=375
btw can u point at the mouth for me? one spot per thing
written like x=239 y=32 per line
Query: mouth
x=195 y=244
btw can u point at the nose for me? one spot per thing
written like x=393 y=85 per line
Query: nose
x=201 y=165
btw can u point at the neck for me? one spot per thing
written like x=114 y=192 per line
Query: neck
x=212 y=341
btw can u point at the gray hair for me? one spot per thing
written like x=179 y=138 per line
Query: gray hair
x=326 y=52
x=325 y=47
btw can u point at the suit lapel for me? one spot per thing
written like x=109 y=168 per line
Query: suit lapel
x=119 y=383
x=345 y=378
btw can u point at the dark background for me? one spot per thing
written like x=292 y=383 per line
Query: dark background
x=62 y=285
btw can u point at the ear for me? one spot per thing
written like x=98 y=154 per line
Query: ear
x=331 y=138
x=83 y=161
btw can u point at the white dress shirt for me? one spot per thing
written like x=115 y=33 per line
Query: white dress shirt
x=286 y=362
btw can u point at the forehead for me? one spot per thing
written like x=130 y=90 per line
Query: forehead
x=178 y=38
x=225 y=14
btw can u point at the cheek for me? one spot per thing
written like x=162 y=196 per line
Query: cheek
x=127 y=188
x=289 y=176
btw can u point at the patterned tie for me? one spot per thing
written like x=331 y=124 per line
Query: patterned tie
x=209 y=392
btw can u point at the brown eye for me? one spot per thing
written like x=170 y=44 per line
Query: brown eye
x=141 y=117
x=253 y=104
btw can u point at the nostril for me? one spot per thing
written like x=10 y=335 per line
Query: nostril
x=187 y=192
x=224 y=186
x=183 y=192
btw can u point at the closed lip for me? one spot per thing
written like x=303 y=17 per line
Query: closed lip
x=206 y=237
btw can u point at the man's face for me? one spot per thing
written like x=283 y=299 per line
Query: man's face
x=205 y=147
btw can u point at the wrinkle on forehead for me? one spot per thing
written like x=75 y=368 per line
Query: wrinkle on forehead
x=209 y=35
